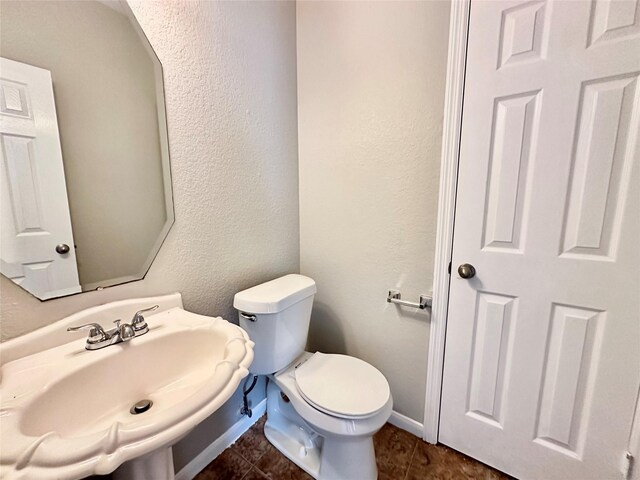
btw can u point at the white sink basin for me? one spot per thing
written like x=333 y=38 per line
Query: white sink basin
x=65 y=411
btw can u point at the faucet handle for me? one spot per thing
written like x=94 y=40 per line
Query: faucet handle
x=149 y=309
x=138 y=323
x=96 y=334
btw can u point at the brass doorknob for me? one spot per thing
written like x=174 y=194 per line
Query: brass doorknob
x=62 y=248
x=466 y=270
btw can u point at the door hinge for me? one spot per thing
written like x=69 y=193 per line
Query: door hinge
x=627 y=465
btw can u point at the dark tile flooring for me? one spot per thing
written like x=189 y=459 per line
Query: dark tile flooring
x=400 y=456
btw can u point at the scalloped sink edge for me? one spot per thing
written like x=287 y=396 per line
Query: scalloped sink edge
x=64 y=410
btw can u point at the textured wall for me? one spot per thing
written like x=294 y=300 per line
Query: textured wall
x=104 y=86
x=371 y=81
x=230 y=79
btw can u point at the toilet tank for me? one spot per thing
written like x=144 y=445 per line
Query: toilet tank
x=282 y=310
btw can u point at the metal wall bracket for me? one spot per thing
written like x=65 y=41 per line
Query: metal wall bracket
x=394 y=297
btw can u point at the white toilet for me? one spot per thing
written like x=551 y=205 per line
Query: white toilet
x=322 y=409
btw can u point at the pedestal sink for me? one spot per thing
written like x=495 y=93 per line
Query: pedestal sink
x=67 y=412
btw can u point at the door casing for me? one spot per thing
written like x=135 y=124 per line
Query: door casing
x=457 y=56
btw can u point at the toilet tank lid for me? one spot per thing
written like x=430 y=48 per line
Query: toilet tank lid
x=276 y=295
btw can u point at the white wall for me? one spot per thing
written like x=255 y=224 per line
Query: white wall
x=230 y=71
x=370 y=105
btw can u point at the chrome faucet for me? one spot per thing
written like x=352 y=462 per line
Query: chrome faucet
x=122 y=332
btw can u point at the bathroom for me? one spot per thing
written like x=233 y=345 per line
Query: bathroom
x=323 y=138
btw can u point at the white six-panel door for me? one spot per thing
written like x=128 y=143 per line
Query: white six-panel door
x=34 y=212
x=542 y=358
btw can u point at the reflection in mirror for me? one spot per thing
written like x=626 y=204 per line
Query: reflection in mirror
x=85 y=180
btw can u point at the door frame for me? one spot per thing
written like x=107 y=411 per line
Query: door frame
x=451 y=134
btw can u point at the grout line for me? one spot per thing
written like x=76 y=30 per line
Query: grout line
x=260 y=458
x=253 y=467
x=264 y=474
x=237 y=452
x=233 y=452
x=253 y=464
x=248 y=472
x=413 y=454
x=244 y=458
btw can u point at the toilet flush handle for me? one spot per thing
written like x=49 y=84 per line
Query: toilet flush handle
x=246 y=316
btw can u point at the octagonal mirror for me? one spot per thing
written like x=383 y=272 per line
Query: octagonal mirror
x=85 y=178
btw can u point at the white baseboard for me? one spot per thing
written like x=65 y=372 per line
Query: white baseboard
x=195 y=466
x=405 y=423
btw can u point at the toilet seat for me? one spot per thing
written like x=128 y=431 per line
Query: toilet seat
x=342 y=386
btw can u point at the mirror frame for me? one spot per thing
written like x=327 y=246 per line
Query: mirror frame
x=165 y=165
x=165 y=162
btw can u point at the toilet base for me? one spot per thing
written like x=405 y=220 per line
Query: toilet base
x=324 y=458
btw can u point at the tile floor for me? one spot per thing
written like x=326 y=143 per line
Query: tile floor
x=400 y=456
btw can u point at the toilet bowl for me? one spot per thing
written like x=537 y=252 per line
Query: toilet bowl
x=322 y=409
x=328 y=445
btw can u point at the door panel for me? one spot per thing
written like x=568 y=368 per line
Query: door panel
x=601 y=166
x=573 y=346
x=35 y=210
x=491 y=354
x=542 y=359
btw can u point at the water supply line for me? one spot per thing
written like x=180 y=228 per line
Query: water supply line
x=245 y=410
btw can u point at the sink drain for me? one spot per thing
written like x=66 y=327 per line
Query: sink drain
x=141 y=407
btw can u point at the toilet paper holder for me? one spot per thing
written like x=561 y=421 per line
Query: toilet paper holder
x=425 y=302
